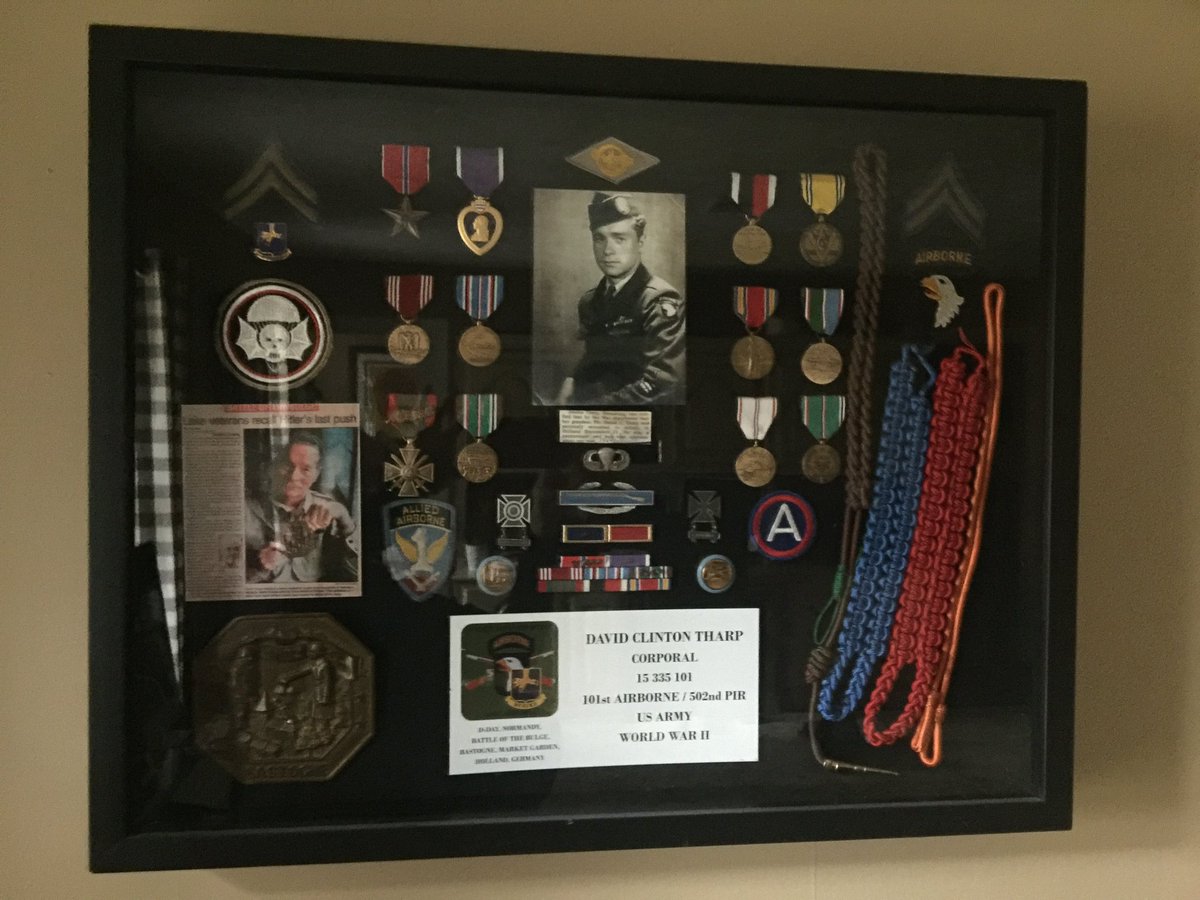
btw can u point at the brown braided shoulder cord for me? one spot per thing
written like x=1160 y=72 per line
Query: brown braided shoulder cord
x=870 y=180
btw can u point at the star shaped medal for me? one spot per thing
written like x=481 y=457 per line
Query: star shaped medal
x=405 y=168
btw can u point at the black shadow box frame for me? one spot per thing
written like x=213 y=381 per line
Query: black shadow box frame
x=165 y=105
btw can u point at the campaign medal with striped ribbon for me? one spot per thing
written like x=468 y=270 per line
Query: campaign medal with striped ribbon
x=481 y=169
x=755 y=466
x=408 y=343
x=821 y=362
x=753 y=356
x=479 y=296
x=823 y=416
x=409 y=472
x=751 y=243
x=820 y=242
x=479 y=414
x=406 y=168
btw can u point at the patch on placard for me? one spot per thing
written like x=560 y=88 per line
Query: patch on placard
x=782 y=525
x=613 y=160
x=519 y=661
x=418 y=545
x=273 y=334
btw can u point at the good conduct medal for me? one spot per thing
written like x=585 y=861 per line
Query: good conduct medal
x=408 y=343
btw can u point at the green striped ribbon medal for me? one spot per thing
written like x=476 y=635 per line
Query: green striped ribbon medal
x=823 y=416
x=480 y=414
x=821 y=362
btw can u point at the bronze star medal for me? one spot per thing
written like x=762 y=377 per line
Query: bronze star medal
x=405 y=219
x=409 y=472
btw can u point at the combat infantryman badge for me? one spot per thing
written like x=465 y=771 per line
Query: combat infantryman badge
x=283 y=698
x=418 y=545
x=613 y=160
x=270 y=241
x=273 y=334
x=406 y=168
x=481 y=169
x=782 y=526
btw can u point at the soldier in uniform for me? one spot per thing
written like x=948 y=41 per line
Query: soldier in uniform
x=631 y=322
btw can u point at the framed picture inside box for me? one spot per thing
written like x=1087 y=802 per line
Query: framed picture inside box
x=618 y=452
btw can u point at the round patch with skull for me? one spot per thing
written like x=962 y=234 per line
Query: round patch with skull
x=273 y=334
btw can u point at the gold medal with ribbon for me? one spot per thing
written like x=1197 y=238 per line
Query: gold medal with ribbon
x=821 y=243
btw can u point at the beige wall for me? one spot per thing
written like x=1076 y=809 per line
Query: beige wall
x=1138 y=784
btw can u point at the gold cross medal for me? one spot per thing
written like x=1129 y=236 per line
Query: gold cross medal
x=409 y=472
x=820 y=242
x=751 y=243
x=481 y=169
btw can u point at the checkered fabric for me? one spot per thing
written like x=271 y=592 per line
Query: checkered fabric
x=158 y=501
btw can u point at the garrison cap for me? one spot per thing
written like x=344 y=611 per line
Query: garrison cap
x=608 y=208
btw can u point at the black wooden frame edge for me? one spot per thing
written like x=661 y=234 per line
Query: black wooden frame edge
x=115 y=50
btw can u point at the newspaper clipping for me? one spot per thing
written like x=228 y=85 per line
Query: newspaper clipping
x=271 y=501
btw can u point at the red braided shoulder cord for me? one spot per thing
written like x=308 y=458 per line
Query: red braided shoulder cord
x=944 y=515
x=927 y=741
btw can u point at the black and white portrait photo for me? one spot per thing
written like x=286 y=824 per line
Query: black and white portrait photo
x=609 y=308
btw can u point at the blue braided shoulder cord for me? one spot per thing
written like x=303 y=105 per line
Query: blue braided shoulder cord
x=879 y=573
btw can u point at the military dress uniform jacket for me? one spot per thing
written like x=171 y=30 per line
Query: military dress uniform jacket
x=633 y=343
